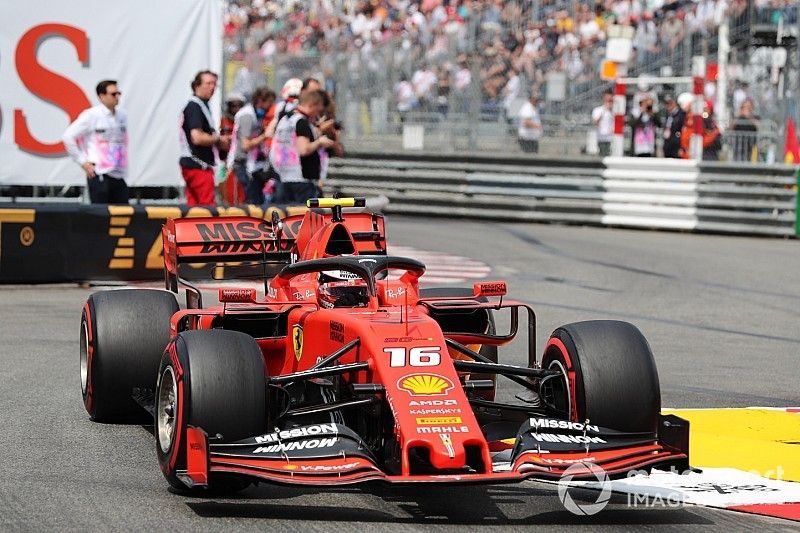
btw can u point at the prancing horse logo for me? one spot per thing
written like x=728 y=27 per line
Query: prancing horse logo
x=297 y=341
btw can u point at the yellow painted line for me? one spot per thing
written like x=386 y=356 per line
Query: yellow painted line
x=125 y=241
x=120 y=210
x=123 y=252
x=162 y=212
x=763 y=441
x=120 y=263
x=120 y=221
x=116 y=232
x=18 y=216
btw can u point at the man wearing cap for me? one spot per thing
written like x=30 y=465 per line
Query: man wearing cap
x=290 y=93
x=673 y=126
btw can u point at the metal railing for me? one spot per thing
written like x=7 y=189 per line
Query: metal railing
x=749 y=146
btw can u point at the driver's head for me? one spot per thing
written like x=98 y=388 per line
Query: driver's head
x=339 y=288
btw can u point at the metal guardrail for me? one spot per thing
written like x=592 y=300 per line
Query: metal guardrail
x=532 y=189
x=738 y=198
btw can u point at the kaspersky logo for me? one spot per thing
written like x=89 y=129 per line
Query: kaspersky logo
x=425 y=384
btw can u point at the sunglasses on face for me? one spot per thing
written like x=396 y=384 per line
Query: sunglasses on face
x=115 y=93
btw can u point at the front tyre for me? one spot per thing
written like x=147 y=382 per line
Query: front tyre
x=214 y=380
x=608 y=376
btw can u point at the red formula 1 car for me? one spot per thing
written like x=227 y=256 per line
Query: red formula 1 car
x=347 y=371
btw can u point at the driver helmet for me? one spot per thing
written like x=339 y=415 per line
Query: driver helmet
x=339 y=288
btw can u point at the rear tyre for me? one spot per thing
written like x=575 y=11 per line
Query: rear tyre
x=123 y=334
x=214 y=380
x=611 y=377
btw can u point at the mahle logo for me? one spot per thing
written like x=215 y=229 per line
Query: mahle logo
x=584 y=508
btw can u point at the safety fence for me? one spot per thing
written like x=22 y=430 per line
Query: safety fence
x=629 y=192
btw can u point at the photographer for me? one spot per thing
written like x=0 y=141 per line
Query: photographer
x=199 y=142
x=248 y=157
x=295 y=152
x=644 y=129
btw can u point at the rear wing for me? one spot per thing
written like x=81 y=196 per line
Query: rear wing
x=222 y=240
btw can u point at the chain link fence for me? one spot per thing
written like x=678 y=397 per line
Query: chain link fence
x=468 y=103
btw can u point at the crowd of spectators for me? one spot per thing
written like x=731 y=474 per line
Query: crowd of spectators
x=441 y=50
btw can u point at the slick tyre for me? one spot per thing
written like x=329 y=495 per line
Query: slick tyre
x=123 y=334
x=214 y=380
x=611 y=376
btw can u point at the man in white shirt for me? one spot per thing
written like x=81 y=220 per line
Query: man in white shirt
x=98 y=142
x=603 y=120
x=530 y=125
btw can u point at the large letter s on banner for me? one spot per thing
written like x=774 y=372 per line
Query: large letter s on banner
x=48 y=85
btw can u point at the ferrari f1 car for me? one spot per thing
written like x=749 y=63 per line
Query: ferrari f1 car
x=346 y=370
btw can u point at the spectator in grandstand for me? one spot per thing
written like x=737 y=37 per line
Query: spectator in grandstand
x=740 y=94
x=644 y=128
x=510 y=94
x=295 y=151
x=98 y=141
x=424 y=82
x=530 y=125
x=745 y=129
x=671 y=31
x=673 y=127
x=443 y=90
x=199 y=141
x=603 y=120
x=645 y=40
x=248 y=156
x=405 y=97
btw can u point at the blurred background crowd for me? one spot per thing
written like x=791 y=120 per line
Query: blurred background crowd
x=464 y=69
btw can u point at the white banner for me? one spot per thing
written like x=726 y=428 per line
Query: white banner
x=53 y=54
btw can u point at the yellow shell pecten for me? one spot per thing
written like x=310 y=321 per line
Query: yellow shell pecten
x=425 y=384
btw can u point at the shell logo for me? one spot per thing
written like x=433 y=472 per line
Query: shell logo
x=425 y=384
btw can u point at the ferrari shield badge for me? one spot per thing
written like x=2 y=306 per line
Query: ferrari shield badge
x=297 y=341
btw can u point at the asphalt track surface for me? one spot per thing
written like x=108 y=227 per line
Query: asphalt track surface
x=721 y=314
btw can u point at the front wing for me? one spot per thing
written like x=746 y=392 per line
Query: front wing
x=332 y=454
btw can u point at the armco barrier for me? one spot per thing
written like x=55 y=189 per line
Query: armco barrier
x=624 y=191
x=477 y=186
x=56 y=243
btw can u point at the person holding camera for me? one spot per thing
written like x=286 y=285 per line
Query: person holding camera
x=248 y=157
x=295 y=151
x=199 y=142
x=644 y=129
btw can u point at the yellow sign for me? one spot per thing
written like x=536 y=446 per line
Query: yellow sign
x=297 y=341
x=438 y=420
x=425 y=384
